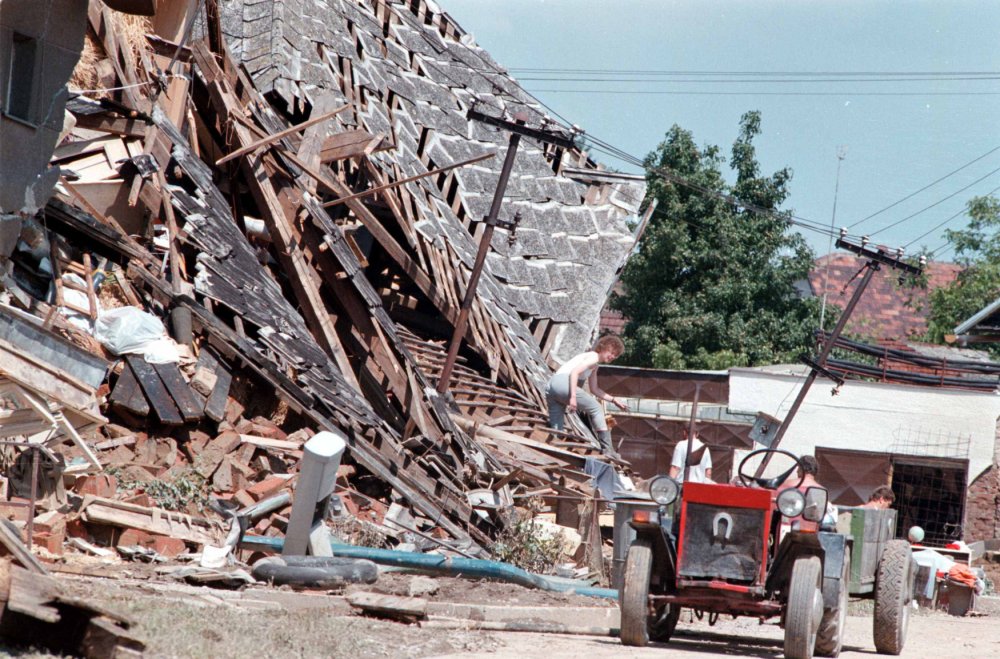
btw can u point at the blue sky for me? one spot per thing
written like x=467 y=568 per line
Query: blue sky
x=900 y=135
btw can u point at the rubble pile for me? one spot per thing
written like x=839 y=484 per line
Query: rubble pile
x=221 y=274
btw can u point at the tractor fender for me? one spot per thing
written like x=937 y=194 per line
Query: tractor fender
x=834 y=547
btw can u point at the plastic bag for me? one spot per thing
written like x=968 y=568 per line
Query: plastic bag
x=131 y=330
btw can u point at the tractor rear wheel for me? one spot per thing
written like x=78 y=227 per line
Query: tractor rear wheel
x=893 y=592
x=634 y=595
x=804 y=607
x=830 y=637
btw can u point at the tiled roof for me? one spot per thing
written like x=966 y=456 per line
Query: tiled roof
x=887 y=310
x=417 y=75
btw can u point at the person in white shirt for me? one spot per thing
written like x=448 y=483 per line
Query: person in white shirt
x=701 y=461
x=565 y=393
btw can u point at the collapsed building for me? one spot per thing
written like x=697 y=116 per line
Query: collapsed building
x=297 y=191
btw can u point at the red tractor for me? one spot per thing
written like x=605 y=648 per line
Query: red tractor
x=762 y=550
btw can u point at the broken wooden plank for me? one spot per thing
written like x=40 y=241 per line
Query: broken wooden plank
x=179 y=390
x=156 y=393
x=128 y=395
x=152 y=520
x=266 y=442
x=215 y=403
x=350 y=143
x=271 y=139
x=10 y=538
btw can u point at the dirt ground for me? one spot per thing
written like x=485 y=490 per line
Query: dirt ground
x=931 y=635
x=179 y=620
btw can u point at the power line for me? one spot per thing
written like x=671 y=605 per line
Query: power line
x=939 y=201
x=938 y=226
x=931 y=184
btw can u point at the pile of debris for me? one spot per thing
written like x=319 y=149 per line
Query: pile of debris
x=235 y=259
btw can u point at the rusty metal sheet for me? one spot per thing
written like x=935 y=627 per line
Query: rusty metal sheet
x=851 y=476
x=653 y=428
x=664 y=385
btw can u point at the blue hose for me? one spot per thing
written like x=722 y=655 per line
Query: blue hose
x=471 y=568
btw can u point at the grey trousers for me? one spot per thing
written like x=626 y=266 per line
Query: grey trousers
x=557 y=396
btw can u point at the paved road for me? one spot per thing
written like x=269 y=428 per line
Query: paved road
x=931 y=635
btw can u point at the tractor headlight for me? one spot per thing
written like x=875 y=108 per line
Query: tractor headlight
x=791 y=502
x=664 y=490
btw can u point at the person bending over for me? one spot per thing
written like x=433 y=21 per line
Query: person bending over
x=565 y=392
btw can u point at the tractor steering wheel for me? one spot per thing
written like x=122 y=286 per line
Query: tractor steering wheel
x=769 y=483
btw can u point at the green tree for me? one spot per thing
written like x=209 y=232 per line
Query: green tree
x=712 y=283
x=977 y=248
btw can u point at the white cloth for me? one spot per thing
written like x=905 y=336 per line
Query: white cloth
x=589 y=357
x=679 y=460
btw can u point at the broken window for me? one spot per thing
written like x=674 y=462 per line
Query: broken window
x=20 y=85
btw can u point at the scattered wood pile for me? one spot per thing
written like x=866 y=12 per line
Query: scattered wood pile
x=300 y=259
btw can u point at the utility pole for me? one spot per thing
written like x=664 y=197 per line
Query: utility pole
x=841 y=154
x=517 y=129
x=876 y=259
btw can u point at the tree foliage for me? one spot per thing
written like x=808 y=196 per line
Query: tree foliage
x=977 y=249
x=712 y=283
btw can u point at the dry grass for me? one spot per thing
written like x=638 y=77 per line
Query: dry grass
x=132 y=30
x=194 y=628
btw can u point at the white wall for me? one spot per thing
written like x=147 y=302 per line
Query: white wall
x=867 y=416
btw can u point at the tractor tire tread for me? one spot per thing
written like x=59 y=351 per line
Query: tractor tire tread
x=892 y=585
x=634 y=595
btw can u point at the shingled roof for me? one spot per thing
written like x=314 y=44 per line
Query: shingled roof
x=887 y=311
x=412 y=74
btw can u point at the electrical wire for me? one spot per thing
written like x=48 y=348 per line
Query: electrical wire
x=938 y=226
x=615 y=151
x=929 y=185
x=939 y=201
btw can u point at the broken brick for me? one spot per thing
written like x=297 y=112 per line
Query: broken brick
x=99 y=485
x=267 y=487
x=50 y=542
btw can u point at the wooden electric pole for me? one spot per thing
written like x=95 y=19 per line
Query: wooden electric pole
x=517 y=129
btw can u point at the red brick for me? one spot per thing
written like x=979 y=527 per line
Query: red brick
x=267 y=487
x=244 y=498
x=131 y=537
x=51 y=542
x=75 y=528
x=234 y=410
x=166 y=546
x=100 y=485
x=50 y=522
x=141 y=499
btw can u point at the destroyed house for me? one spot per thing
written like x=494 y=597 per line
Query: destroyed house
x=298 y=191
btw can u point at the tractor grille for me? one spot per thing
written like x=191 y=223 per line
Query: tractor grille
x=720 y=542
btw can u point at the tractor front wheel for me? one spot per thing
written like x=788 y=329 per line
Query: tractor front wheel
x=634 y=595
x=893 y=592
x=830 y=637
x=804 y=608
